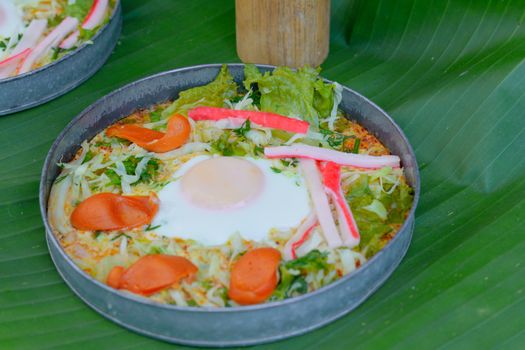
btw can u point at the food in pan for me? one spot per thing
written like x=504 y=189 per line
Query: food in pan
x=231 y=194
x=34 y=33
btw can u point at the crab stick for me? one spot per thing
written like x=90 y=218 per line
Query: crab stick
x=300 y=236
x=94 y=18
x=264 y=119
x=68 y=25
x=320 y=201
x=31 y=36
x=330 y=155
x=8 y=66
x=331 y=174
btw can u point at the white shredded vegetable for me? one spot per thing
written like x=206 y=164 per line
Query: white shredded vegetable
x=338 y=96
x=188 y=148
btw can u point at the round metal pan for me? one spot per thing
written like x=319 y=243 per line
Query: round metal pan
x=55 y=79
x=235 y=326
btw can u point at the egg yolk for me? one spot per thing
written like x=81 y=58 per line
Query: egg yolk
x=223 y=183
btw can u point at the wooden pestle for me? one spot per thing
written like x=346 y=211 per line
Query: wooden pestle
x=283 y=32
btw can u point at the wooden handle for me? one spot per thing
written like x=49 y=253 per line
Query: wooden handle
x=283 y=32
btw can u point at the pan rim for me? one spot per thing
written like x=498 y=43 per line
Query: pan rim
x=236 y=309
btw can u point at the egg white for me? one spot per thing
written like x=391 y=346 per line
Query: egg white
x=283 y=204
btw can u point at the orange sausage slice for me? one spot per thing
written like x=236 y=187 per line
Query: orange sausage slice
x=254 y=276
x=134 y=133
x=151 y=274
x=114 y=276
x=109 y=211
x=177 y=133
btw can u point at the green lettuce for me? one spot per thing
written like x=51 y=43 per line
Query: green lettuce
x=211 y=95
x=377 y=212
x=130 y=163
x=300 y=93
x=78 y=9
x=292 y=273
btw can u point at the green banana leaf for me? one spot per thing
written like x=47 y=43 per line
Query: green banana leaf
x=451 y=73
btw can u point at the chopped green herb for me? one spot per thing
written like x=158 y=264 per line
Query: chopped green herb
x=223 y=292
x=313 y=261
x=120 y=141
x=258 y=150
x=223 y=145
x=102 y=144
x=293 y=272
x=334 y=139
x=298 y=286
x=113 y=177
x=60 y=178
x=89 y=155
x=156 y=115
x=245 y=127
x=256 y=97
x=276 y=170
x=86 y=34
x=55 y=21
x=206 y=284
x=236 y=99
x=120 y=235
x=357 y=142
x=151 y=228
x=151 y=170
x=130 y=163
x=56 y=52
x=292 y=162
x=156 y=250
x=226 y=147
x=192 y=302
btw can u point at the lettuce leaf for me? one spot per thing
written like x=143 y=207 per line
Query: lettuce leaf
x=79 y=9
x=211 y=95
x=376 y=212
x=292 y=273
x=299 y=94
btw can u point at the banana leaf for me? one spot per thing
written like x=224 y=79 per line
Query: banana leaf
x=451 y=73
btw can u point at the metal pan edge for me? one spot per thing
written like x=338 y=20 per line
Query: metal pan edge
x=59 y=77
x=236 y=326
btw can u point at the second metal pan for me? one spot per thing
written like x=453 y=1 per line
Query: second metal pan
x=55 y=79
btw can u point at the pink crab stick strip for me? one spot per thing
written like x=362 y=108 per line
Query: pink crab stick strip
x=331 y=173
x=329 y=155
x=31 y=36
x=96 y=14
x=94 y=18
x=8 y=66
x=70 y=41
x=264 y=119
x=300 y=236
x=51 y=40
x=320 y=201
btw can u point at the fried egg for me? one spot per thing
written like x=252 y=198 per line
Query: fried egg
x=212 y=198
x=11 y=22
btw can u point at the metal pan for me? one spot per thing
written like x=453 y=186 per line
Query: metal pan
x=233 y=326
x=55 y=79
